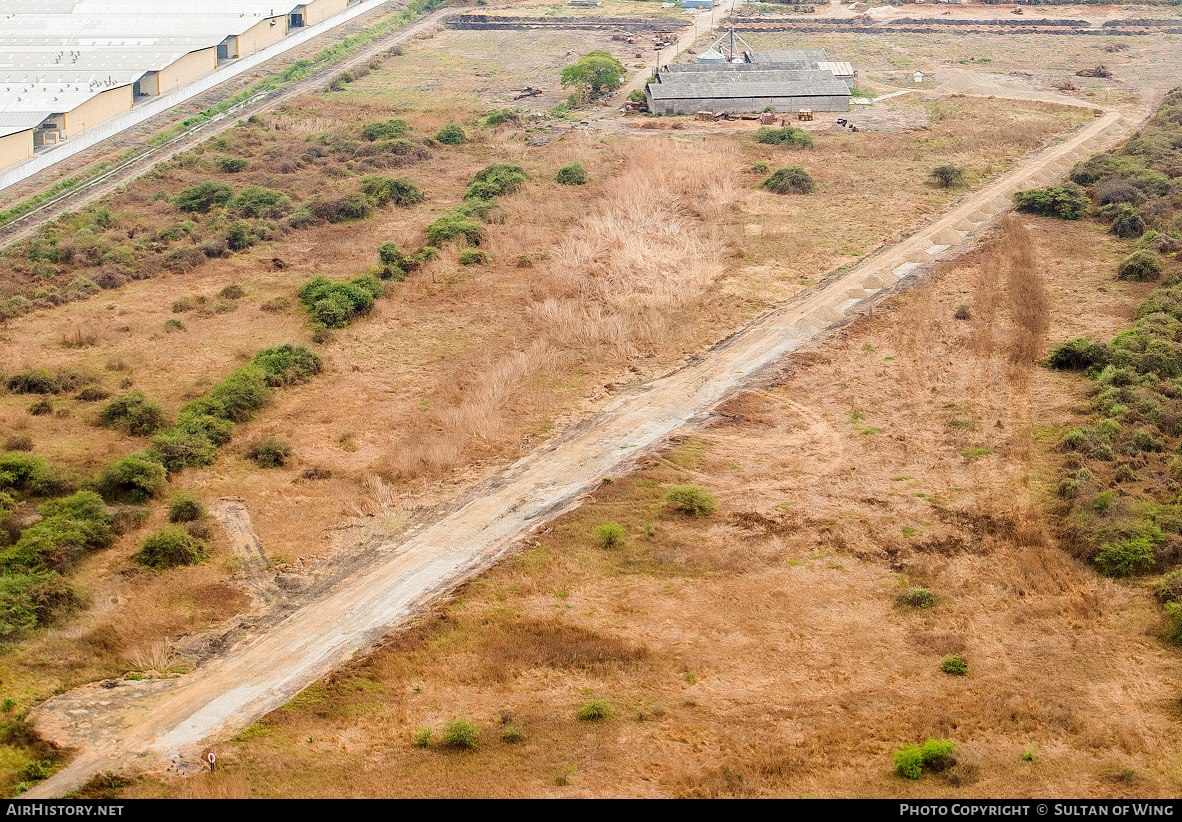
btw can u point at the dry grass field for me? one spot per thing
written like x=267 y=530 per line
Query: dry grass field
x=825 y=509
x=762 y=650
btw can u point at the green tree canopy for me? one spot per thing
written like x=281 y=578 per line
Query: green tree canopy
x=596 y=73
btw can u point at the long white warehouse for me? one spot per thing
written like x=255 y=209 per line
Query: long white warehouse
x=68 y=65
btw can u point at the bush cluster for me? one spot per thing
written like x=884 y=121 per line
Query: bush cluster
x=170 y=547
x=572 y=175
x=401 y=191
x=692 y=500
x=933 y=755
x=133 y=413
x=386 y=130
x=785 y=136
x=1062 y=202
x=334 y=304
x=789 y=180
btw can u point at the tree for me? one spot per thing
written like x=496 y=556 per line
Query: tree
x=594 y=73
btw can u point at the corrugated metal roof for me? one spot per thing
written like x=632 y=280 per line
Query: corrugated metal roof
x=11 y=123
x=789 y=56
x=57 y=54
x=810 y=83
x=839 y=68
x=795 y=65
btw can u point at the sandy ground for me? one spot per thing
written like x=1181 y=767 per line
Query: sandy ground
x=265 y=671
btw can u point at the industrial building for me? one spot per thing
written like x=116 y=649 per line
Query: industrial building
x=739 y=81
x=68 y=65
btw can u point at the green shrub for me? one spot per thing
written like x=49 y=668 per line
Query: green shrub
x=451 y=135
x=270 y=453
x=422 y=737
x=32 y=599
x=1127 y=558
x=789 y=180
x=572 y=175
x=203 y=197
x=494 y=180
x=235 y=398
x=386 y=130
x=133 y=413
x=256 y=201
x=232 y=165
x=594 y=710
x=692 y=499
x=609 y=535
x=392 y=263
x=512 y=735
x=454 y=226
x=1140 y=266
x=786 y=136
x=34 y=476
x=955 y=665
x=1078 y=354
x=401 y=191
x=287 y=364
x=760 y=167
x=500 y=117
x=916 y=598
x=947 y=176
x=41 y=407
x=462 y=734
x=134 y=478
x=1173 y=631
x=335 y=304
x=174 y=325
x=185 y=508
x=343 y=209
x=1127 y=223
x=193 y=441
x=474 y=256
x=934 y=755
x=69 y=527
x=1062 y=202
x=170 y=547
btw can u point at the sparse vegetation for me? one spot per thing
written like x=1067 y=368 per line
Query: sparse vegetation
x=692 y=500
x=461 y=734
x=955 y=665
x=610 y=535
x=934 y=755
x=594 y=710
x=270 y=452
x=947 y=176
x=917 y=598
x=789 y=136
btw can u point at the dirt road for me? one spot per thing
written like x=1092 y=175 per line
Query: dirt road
x=265 y=671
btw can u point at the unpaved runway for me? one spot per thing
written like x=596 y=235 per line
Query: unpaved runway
x=266 y=671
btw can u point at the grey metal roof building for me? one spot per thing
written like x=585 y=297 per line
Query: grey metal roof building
x=737 y=92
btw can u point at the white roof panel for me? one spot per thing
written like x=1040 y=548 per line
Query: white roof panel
x=57 y=54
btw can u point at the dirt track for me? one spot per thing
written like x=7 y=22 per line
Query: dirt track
x=173 y=721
